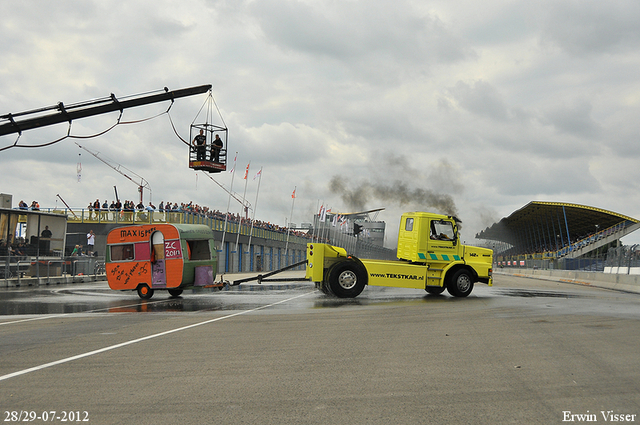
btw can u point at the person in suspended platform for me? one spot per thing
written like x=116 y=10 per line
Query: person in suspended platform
x=199 y=142
x=216 y=146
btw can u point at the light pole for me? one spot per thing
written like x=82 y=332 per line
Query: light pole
x=595 y=239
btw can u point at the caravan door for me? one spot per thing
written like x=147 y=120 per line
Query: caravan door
x=158 y=266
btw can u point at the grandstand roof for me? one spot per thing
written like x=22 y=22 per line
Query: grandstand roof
x=537 y=221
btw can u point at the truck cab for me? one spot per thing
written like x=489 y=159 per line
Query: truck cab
x=430 y=257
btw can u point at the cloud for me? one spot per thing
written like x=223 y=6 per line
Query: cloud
x=480 y=98
x=575 y=119
x=591 y=27
x=367 y=41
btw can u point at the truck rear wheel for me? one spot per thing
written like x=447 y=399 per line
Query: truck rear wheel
x=144 y=291
x=460 y=284
x=324 y=285
x=347 y=279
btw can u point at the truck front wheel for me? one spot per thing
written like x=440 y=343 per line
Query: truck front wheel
x=347 y=279
x=460 y=284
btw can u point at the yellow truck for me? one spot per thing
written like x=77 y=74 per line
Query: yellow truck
x=430 y=257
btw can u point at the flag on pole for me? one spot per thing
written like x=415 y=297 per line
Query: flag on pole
x=293 y=195
x=258 y=174
x=246 y=172
x=79 y=168
x=323 y=214
x=234 y=164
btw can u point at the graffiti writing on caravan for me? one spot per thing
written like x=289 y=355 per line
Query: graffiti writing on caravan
x=136 y=232
x=121 y=273
x=172 y=249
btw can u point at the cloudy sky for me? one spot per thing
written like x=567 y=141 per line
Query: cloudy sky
x=466 y=107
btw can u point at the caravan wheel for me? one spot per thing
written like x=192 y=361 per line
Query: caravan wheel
x=175 y=292
x=144 y=291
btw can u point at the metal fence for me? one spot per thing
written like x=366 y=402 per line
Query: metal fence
x=355 y=246
x=258 y=230
x=46 y=268
x=623 y=257
x=595 y=264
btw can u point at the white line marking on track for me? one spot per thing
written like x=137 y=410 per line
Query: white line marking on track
x=134 y=341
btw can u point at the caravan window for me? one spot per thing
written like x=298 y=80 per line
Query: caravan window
x=122 y=252
x=199 y=250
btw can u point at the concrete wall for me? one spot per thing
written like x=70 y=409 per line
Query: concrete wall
x=618 y=282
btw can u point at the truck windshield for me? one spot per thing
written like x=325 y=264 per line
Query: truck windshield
x=442 y=230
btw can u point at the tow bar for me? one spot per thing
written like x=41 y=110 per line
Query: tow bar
x=263 y=277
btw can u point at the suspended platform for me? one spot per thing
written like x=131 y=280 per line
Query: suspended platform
x=208 y=147
x=208 y=166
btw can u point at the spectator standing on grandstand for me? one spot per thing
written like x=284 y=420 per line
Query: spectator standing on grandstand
x=150 y=209
x=96 y=208
x=118 y=208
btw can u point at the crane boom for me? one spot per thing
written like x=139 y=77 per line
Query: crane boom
x=118 y=168
x=87 y=109
x=246 y=204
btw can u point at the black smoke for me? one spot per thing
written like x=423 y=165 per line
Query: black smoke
x=358 y=196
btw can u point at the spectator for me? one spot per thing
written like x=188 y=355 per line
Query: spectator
x=216 y=146
x=96 y=208
x=105 y=208
x=91 y=240
x=112 y=208
x=46 y=233
x=199 y=143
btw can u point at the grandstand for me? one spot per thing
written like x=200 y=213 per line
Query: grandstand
x=555 y=230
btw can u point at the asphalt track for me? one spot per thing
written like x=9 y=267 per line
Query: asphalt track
x=524 y=351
